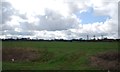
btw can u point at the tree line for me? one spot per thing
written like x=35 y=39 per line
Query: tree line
x=80 y=40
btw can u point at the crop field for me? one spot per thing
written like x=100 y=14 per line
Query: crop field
x=43 y=55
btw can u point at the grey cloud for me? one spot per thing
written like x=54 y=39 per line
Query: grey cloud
x=0 y=13
x=73 y=7
x=23 y=16
x=27 y=26
x=7 y=11
x=119 y=19
x=6 y=27
x=55 y=21
x=51 y=21
x=23 y=33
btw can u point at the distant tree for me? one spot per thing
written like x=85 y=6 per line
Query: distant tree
x=105 y=38
x=81 y=39
x=94 y=37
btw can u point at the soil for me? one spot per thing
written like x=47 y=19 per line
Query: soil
x=25 y=54
x=106 y=60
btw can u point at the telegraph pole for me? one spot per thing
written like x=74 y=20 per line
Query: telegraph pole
x=94 y=37
x=102 y=37
x=87 y=37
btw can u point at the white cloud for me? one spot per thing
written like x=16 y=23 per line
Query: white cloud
x=56 y=19
x=110 y=8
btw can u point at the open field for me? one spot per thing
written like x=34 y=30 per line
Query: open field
x=35 y=55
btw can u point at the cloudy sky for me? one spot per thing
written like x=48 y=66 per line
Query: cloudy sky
x=58 y=19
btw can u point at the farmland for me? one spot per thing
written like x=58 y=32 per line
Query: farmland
x=35 y=55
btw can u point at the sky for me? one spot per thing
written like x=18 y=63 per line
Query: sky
x=58 y=19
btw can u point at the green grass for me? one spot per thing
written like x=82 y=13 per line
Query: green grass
x=67 y=55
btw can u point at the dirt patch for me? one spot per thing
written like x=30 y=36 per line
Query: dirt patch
x=25 y=54
x=106 y=60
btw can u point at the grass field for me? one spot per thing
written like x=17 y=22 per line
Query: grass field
x=53 y=55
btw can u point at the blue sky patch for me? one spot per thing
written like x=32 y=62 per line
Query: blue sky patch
x=89 y=17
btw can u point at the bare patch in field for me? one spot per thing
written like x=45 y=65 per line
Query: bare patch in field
x=106 y=60
x=26 y=54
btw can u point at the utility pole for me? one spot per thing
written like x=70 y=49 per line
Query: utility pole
x=87 y=37
x=102 y=37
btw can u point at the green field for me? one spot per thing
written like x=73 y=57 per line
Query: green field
x=55 y=55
